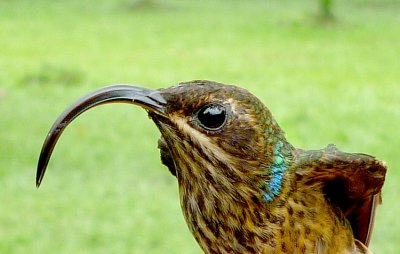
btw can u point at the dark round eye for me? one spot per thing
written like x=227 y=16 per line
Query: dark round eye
x=212 y=117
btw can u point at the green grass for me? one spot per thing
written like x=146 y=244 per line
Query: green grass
x=106 y=191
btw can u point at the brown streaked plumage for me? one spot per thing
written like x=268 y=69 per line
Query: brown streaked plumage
x=243 y=187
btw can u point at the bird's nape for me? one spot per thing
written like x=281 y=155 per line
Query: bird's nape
x=149 y=99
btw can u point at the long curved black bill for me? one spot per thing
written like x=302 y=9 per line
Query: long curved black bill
x=151 y=100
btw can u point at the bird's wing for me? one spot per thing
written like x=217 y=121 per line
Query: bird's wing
x=351 y=182
x=362 y=249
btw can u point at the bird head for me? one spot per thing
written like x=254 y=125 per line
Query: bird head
x=211 y=134
x=213 y=130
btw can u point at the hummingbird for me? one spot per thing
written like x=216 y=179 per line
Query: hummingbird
x=243 y=187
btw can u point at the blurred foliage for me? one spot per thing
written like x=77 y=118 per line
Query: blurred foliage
x=326 y=9
x=52 y=74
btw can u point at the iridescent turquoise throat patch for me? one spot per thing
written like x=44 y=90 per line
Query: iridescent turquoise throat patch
x=273 y=186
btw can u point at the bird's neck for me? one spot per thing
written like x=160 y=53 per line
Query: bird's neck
x=237 y=210
x=281 y=159
x=223 y=221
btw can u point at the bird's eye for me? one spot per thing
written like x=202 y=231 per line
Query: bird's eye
x=212 y=117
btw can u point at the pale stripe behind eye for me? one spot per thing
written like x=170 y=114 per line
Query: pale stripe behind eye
x=211 y=149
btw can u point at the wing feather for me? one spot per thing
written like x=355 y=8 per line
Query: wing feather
x=350 y=181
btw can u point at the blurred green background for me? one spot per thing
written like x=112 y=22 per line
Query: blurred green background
x=327 y=79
